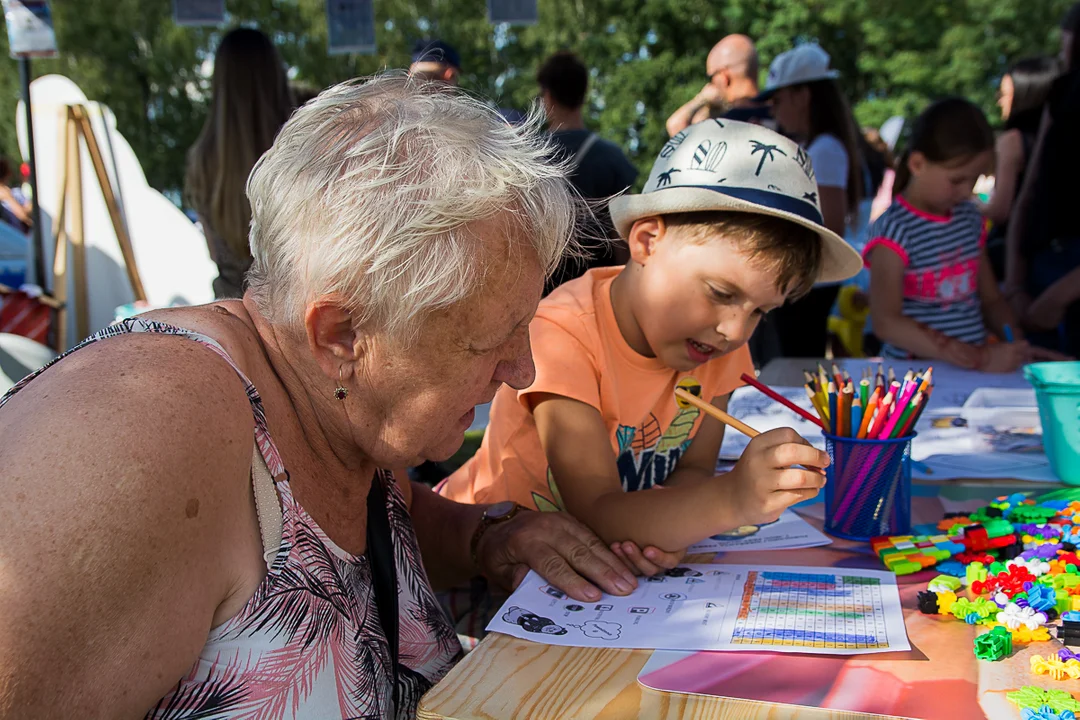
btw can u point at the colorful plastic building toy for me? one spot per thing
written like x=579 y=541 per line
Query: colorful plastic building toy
x=945 y=602
x=1013 y=616
x=928 y=602
x=1055 y=668
x=906 y=554
x=1041 y=597
x=1031 y=514
x=1069 y=631
x=993 y=645
x=952 y=567
x=1024 y=635
x=1034 y=697
x=1046 y=713
x=944 y=583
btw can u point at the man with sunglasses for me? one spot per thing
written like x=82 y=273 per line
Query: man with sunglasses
x=732 y=69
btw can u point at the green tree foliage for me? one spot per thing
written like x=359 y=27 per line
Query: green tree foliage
x=648 y=56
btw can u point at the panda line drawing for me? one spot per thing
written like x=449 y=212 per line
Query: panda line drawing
x=531 y=622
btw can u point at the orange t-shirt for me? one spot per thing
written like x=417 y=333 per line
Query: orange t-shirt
x=581 y=354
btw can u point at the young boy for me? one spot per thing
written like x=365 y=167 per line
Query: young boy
x=727 y=228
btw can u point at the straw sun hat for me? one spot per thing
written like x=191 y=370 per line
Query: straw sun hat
x=739 y=167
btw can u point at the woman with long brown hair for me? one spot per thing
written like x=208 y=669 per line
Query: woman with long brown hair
x=250 y=102
x=809 y=106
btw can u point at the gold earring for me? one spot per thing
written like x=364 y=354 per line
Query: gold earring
x=340 y=392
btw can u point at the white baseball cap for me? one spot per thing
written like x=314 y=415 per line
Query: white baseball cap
x=735 y=166
x=802 y=64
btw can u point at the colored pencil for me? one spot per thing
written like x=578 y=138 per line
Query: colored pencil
x=856 y=417
x=879 y=419
x=834 y=416
x=822 y=413
x=864 y=392
x=710 y=409
x=868 y=414
x=895 y=416
x=769 y=392
x=845 y=401
x=899 y=428
x=927 y=380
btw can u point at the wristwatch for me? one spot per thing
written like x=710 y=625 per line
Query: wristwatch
x=494 y=515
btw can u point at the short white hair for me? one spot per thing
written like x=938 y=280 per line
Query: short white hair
x=367 y=190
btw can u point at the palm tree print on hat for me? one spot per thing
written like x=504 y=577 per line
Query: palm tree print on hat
x=675 y=141
x=766 y=153
x=664 y=178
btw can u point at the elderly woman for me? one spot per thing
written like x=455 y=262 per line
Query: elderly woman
x=195 y=521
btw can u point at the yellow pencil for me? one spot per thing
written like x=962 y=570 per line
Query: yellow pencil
x=821 y=411
x=710 y=409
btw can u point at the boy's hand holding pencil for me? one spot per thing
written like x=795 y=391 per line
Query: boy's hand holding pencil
x=767 y=479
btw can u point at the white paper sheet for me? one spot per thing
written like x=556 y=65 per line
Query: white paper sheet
x=790 y=532
x=720 y=607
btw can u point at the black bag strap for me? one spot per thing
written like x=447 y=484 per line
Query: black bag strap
x=380 y=553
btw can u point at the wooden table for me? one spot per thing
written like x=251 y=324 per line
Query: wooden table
x=509 y=678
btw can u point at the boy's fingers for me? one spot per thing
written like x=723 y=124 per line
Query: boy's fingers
x=787 y=498
x=665 y=560
x=799 y=479
x=641 y=563
x=789 y=454
x=777 y=437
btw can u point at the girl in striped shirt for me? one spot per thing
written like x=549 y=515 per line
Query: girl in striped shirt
x=932 y=291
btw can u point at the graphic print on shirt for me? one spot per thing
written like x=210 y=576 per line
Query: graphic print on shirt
x=647 y=455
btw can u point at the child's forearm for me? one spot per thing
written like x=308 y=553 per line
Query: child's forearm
x=997 y=315
x=910 y=335
x=670 y=518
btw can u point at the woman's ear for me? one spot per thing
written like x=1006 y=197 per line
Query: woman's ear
x=332 y=338
x=643 y=237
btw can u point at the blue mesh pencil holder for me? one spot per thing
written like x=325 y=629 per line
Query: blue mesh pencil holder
x=868 y=488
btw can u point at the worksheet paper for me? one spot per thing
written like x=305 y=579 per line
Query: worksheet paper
x=720 y=607
x=790 y=532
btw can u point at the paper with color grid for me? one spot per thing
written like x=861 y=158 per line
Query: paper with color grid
x=790 y=532
x=720 y=607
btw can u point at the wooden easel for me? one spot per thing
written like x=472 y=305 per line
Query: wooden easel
x=75 y=124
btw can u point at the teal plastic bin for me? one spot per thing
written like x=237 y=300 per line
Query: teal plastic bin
x=1057 y=390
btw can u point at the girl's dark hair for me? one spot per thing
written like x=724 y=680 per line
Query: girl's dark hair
x=830 y=114
x=249 y=102
x=1031 y=78
x=950 y=130
x=1071 y=23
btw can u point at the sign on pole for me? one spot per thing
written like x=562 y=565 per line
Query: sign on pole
x=515 y=12
x=351 y=26
x=199 y=12
x=30 y=28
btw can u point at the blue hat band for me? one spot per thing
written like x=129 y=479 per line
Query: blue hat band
x=767 y=198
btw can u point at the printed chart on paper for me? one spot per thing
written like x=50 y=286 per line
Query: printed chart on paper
x=720 y=607
x=826 y=611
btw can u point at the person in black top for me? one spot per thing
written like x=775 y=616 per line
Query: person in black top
x=598 y=169
x=1022 y=97
x=1042 y=274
